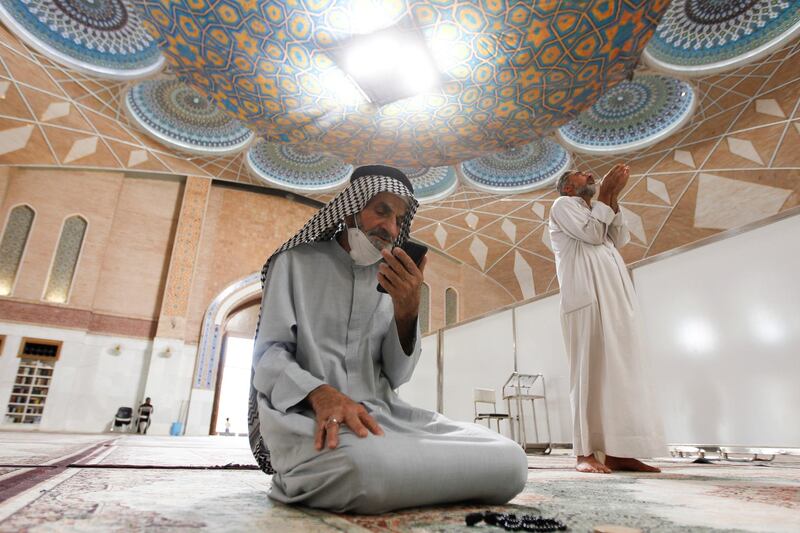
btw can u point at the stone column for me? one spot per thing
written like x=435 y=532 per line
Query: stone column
x=171 y=364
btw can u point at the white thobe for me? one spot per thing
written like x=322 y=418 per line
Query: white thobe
x=323 y=321
x=611 y=405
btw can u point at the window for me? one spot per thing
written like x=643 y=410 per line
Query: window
x=66 y=260
x=12 y=246
x=425 y=308
x=450 y=306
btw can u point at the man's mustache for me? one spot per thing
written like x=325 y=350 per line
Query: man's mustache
x=380 y=233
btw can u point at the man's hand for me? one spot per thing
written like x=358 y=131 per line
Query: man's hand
x=334 y=408
x=402 y=280
x=613 y=183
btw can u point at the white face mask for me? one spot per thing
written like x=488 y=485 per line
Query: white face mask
x=362 y=250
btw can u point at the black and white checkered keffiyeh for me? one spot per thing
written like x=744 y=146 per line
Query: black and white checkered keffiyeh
x=324 y=226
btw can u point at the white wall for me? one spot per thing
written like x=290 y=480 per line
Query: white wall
x=540 y=350
x=722 y=334
x=89 y=380
x=169 y=381
x=421 y=389
x=722 y=323
x=478 y=354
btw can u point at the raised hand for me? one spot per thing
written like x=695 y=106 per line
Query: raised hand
x=332 y=408
x=612 y=178
x=625 y=174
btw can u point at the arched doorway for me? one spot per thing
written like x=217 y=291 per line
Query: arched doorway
x=231 y=308
x=229 y=414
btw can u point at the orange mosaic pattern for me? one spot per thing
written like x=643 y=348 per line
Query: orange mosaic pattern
x=513 y=71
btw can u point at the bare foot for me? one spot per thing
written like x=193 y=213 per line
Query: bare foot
x=628 y=464
x=590 y=465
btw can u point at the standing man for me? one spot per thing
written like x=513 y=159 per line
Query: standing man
x=611 y=412
x=329 y=353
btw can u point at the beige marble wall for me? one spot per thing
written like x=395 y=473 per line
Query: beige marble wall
x=136 y=258
x=477 y=293
x=240 y=230
x=4 y=172
x=56 y=195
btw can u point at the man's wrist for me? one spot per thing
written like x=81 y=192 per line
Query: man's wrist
x=316 y=393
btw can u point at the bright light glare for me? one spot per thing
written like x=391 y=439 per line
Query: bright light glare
x=697 y=336
x=366 y=16
x=372 y=58
x=767 y=327
x=388 y=57
x=342 y=87
x=235 y=389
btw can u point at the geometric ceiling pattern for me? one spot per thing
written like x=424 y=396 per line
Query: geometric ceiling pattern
x=52 y=115
x=522 y=169
x=736 y=160
x=176 y=115
x=512 y=71
x=432 y=184
x=283 y=166
x=103 y=38
x=633 y=115
x=698 y=37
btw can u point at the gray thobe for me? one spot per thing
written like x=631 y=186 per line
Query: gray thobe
x=324 y=322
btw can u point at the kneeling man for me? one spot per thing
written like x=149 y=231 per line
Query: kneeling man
x=329 y=352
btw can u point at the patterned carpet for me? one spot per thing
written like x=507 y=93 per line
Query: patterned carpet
x=722 y=496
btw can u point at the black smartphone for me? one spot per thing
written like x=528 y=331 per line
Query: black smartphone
x=415 y=251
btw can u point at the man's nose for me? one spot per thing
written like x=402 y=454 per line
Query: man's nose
x=391 y=228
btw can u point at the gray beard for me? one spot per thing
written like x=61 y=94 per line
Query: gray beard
x=373 y=237
x=586 y=190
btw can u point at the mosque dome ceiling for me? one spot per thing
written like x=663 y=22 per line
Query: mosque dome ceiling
x=510 y=71
x=706 y=36
x=178 y=116
x=632 y=115
x=735 y=160
x=103 y=38
x=522 y=169
x=286 y=167
x=432 y=183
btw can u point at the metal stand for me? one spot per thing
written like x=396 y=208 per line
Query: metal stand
x=519 y=389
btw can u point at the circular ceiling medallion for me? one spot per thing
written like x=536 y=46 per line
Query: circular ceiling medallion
x=432 y=184
x=177 y=116
x=506 y=72
x=632 y=115
x=526 y=168
x=102 y=38
x=698 y=37
x=285 y=167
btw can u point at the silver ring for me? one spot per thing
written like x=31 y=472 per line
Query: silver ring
x=332 y=420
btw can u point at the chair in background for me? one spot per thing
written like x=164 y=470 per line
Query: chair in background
x=122 y=420
x=483 y=397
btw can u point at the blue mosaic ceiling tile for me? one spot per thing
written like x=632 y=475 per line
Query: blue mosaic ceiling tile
x=699 y=37
x=103 y=38
x=177 y=116
x=432 y=184
x=522 y=169
x=513 y=71
x=632 y=115
x=286 y=167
